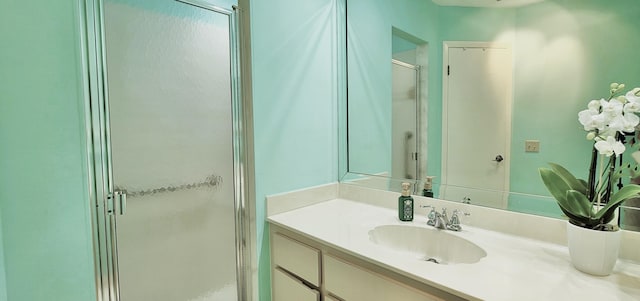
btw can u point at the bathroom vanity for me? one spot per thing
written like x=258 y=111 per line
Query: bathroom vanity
x=303 y=269
x=351 y=246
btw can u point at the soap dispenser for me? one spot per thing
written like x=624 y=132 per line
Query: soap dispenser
x=405 y=204
x=428 y=187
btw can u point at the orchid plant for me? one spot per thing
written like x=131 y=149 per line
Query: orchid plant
x=592 y=203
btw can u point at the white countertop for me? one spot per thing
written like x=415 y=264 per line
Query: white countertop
x=515 y=268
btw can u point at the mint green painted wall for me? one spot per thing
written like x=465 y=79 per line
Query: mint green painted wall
x=592 y=41
x=575 y=34
x=294 y=102
x=476 y=24
x=564 y=56
x=369 y=55
x=295 y=138
x=370 y=24
x=369 y=65
x=399 y=44
x=3 y=280
x=44 y=191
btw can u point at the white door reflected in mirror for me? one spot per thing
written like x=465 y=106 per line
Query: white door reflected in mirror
x=477 y=101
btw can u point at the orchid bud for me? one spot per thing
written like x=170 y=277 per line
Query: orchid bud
x=591 y=135
x=620 y=87
x=613 y=86
x=622 y=99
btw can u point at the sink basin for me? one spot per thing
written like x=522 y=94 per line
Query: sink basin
x=437 y=246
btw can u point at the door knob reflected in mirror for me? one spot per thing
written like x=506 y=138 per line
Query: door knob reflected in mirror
x=498 y=158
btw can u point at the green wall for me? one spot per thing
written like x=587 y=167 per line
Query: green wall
x=3 y=279
x=44 y=195
x=566 y=52
x=43 y=176
x=294 y=103
x=369 y=51
x=46 y=239
x=44 y=211
x=566 y=57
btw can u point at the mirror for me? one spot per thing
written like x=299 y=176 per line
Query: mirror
x=562 y=54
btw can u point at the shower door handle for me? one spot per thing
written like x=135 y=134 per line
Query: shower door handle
x=409 y=156
x=117 y=202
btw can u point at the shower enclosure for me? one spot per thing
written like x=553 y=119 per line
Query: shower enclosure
x=405 y=127
x=167 y=131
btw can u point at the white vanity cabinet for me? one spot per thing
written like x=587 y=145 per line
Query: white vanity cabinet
x=331 y=298
x=352 y=283
x=287 y=287
x=295 y=270
x=304 y=269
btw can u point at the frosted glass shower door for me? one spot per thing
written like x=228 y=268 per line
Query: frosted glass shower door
x=171 y=131
x=404 y=120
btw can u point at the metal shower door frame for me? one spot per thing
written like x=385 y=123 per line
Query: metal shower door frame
x=100 y=176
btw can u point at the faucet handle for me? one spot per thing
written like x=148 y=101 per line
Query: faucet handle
x=454 y=225
x=432 y=215
x=445 y=216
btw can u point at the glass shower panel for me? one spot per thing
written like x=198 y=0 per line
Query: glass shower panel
x=404 y=127
x=170 y=107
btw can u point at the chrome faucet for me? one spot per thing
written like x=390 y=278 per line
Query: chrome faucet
x=454 y=223
x=431 y=216
x=441 y=220
x=436 y=219
x=445 y=217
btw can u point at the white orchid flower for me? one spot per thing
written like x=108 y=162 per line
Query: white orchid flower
x=594 y=105
x=609 y=147
x=592 y=120
x=632 y=106
x=612 y=108
x=624 y=123
x=633 y=97
x=632 y=121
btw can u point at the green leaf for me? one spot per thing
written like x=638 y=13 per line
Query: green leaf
x=554 y=183
x=607 y=217
x=617 y=198
x=577 y=203
x=584 y=183
x=574 y=183
x=577 y=220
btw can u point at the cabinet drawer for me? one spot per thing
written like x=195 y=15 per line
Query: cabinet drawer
x=289 y=288
x=353 y=283
x=296 y=258
x=332 y=298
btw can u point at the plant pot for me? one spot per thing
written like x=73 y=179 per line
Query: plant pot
x=593 y=252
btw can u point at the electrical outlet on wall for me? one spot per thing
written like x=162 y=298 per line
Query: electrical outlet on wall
x=532 y=146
